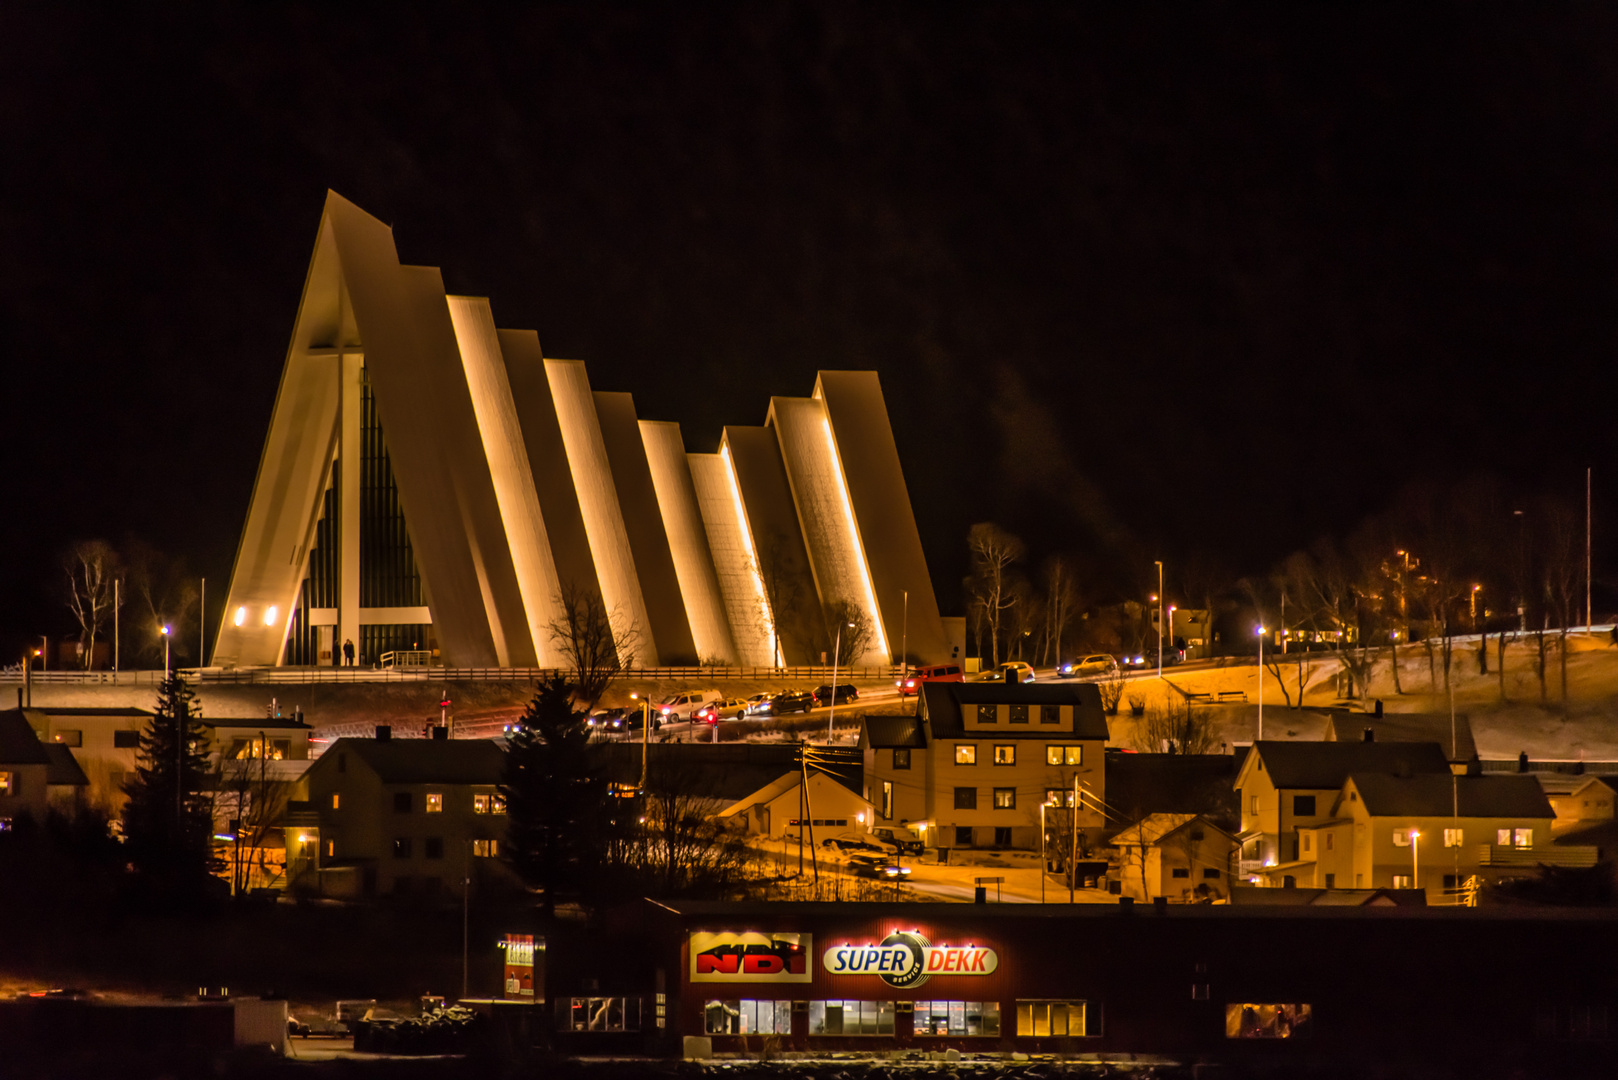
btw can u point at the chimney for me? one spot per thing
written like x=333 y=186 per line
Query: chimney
x=384 y=733
x=1379 y=708
x=1370 y=734
x=440 y=733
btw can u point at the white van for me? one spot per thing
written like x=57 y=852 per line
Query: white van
x=684 y=706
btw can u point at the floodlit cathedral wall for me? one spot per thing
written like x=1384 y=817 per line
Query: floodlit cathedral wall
x=433 y=487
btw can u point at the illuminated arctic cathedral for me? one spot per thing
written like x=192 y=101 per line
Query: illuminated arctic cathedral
x=434 y=485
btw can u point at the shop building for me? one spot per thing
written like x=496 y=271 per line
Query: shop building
x=1262 y=984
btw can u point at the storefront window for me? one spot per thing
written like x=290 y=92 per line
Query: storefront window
x=956 y=1018
x=604 y=1014
x=1044 y=1018
x=1245 y=1021
x=851 y=1018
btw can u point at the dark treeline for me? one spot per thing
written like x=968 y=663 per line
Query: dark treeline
x=1473 y=558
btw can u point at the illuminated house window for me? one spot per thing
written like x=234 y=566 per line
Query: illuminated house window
x=435 y=802
x=1058 y=796
x=1401 y=881
x=1246 y=1021
x=486 y=849
x=604 y=1014
x=8 y=783
x=1401 y=837
x=1064 y=755
x=488 y=804
x=887 y=800
x=336 y=800
x=331 y=849
x=966 y=754
x=69 y=738
x=1005 y=798
x=1523 y=838
x=1453 y=837
x=1005 y=755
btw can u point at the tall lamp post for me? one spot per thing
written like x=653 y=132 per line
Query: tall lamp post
x=836 y=649
x=164 y=630
x=1415 y=868
x=1260 y=633
x=1159 y=563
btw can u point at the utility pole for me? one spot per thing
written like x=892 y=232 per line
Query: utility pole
x=1073 y=853
x=202 y=625
x=466 y=917
x=1587 y=522
x=117 y=601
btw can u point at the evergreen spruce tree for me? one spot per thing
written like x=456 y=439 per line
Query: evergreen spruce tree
x=168 y=821
x=560 y=816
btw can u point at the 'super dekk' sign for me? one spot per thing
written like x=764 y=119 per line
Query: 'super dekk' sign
x=750 y=957
x=906 y=959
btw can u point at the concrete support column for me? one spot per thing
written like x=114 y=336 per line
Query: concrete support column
x=352 y=376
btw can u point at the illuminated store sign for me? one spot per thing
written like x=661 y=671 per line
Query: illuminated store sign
x=777 y=958
x=906 y=959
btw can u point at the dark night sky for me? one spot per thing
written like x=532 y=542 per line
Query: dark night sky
x=1137 y=281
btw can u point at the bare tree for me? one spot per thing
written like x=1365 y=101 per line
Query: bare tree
x=1561 y=569
x=1061 y=601
x=783 y=589
x=681 y=848
x=92 y=568
x=1175 y=728
x=163 y=588
x=597 y=643
x=256 y=803
x=857 y=631
x=994 y=553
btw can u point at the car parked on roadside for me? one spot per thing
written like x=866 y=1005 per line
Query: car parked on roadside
x=838 y=695
x=759 y=704
x=608 y=719
x=902 y=841
x=1020 y=672
x=684 y=706
x=791 y=701
x=848 y=843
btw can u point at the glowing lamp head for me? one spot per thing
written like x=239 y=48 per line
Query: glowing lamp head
x=240 y=616
x=270 y=614
x=164 y=630
x=1258 y=630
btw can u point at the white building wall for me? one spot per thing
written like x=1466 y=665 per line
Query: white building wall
x=688 y=541
x=735 y=567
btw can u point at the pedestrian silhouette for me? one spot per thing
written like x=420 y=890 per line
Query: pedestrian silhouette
x=348 y=653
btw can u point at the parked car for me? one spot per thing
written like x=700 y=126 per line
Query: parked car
x=845 y=692
x=715 y=711
x=684 y=706
x=848 y=843
x=1172 y=654
x=877 y=866
x=791 y=701
x=1094 y=664
x=902 y=841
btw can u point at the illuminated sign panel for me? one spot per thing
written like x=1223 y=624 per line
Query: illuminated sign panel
x=521 y=952
x=750 y=958
x=906 y=959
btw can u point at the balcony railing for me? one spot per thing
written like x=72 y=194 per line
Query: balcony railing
x=1503 y=855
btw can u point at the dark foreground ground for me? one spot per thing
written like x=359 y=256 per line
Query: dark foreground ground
x=98 y=1063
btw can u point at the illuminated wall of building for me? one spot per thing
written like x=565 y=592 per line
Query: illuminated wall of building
x=431 y=482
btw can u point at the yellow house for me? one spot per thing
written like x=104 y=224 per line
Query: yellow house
x=1289 y=786
x=1578 y=800
x=1426 y=832
x=776 y=809
x=985 y=764
x=1182 y=856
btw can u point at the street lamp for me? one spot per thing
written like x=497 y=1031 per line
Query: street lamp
x=1415 y=869
x=1159 y=599
x=1260 y=632
x=164 y=630
x=836 y=649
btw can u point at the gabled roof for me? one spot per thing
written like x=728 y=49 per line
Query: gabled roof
x=1156 y=828
x=120 y=711
x=1252 y=895
x=427 y=761
x=894 y=731
x=941 y=704
x=64 y=768
x=18 y=743
x=280 y=723
x=1438 y=796
x=1326 y=765
x=1405 y=727
x=1563 y=784
x=775 y=788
